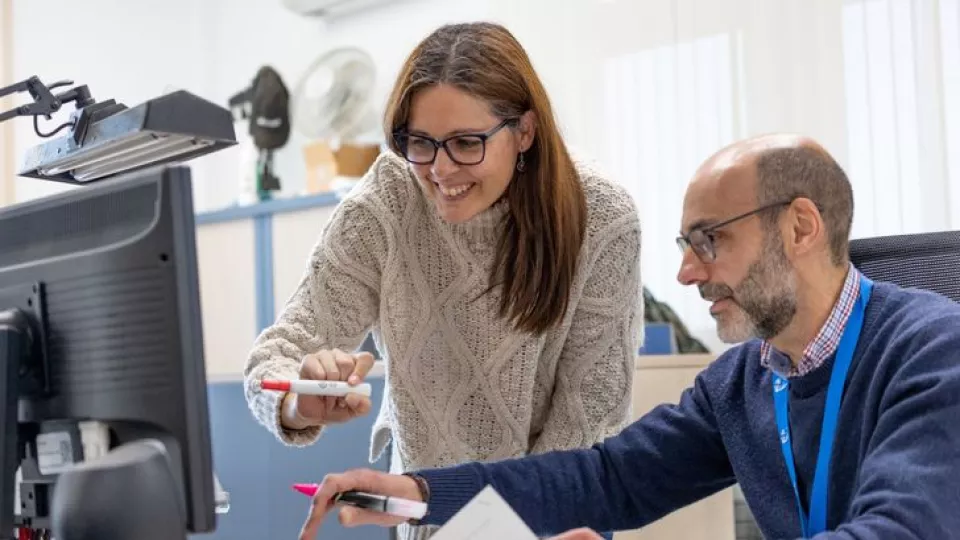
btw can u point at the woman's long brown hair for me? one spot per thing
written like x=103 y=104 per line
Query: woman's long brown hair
x=536 y=257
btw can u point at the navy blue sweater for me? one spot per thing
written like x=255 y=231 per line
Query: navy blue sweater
x=895 y=471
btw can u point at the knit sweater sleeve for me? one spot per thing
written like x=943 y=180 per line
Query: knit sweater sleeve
x=334 y=305
x=593 y=389
x=669 y=458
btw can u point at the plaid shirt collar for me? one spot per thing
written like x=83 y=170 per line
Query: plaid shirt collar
x=828 y=339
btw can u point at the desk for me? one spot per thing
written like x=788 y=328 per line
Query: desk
x=661 y=379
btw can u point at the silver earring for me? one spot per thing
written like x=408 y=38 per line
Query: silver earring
x=521 y=164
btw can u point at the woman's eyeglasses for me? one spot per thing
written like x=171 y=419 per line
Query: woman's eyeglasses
x=463 y=149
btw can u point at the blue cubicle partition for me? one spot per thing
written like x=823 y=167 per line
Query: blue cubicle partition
x=253 y=467
x=257 y=471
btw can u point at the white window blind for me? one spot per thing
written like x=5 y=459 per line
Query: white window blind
x=950 y=65
x=902 y=75
x=895 y=77
x=667 y=109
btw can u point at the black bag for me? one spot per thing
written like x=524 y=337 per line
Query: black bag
x=269 y=110
x=267 y=105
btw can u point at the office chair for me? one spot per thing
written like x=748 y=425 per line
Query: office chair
x=929 y=261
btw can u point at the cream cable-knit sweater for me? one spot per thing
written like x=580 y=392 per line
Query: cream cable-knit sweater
x=461 y=384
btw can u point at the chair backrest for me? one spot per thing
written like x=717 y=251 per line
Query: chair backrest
x=929 y=261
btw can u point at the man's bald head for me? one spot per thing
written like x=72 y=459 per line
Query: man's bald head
x=784 y=167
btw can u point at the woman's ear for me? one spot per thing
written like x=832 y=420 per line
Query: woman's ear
x=527 y=129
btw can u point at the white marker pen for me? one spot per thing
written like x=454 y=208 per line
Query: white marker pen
x=379 y=503
x=317 y=388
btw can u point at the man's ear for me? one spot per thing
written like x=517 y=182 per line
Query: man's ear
x=807 y=232
x=527 y=129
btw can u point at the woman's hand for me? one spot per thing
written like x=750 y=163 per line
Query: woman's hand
x=301 y=411
x=366 y=480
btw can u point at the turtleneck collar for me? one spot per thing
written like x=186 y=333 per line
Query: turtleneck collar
x=484 y=228
x=481 y=231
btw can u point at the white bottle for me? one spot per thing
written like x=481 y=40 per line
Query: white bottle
x=247 y=172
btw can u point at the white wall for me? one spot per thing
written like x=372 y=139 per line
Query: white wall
x=104 y=45
x=7 y=195
x=245 y=39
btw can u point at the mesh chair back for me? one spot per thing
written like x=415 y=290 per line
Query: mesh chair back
x=929 y=261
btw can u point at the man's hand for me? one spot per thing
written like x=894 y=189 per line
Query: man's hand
x=301 y=411
x=366 y=480
x=578 y=534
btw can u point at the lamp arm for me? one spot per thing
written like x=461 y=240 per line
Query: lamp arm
x=45 y=103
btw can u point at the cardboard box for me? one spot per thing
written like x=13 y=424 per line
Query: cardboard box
x=325 y=163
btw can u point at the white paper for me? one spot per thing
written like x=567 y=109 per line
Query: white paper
x=487 y=516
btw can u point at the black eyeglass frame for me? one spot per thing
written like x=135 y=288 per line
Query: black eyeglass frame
x=701 y=240
x=401 y=136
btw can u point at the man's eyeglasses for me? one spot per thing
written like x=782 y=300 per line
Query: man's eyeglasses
x=701 y=240
x=464 y=149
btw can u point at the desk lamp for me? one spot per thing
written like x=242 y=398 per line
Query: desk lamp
x=107 y=138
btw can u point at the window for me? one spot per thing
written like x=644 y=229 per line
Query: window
x=666 y=110
x=950 y=64
x=902 y=76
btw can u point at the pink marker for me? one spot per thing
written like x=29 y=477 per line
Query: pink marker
x=369 y=501
x=307 y=489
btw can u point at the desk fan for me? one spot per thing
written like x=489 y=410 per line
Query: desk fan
x=332 y=99
x=331 y=107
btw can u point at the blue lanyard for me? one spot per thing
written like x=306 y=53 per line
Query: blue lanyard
x=817 y=521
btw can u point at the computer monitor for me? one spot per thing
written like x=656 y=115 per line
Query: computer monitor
x=101 y=362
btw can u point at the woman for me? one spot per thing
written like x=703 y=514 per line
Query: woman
x=501 y=282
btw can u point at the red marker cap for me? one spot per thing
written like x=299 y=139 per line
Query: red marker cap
x=267 y=384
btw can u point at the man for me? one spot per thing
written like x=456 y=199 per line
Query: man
x=838 y=416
